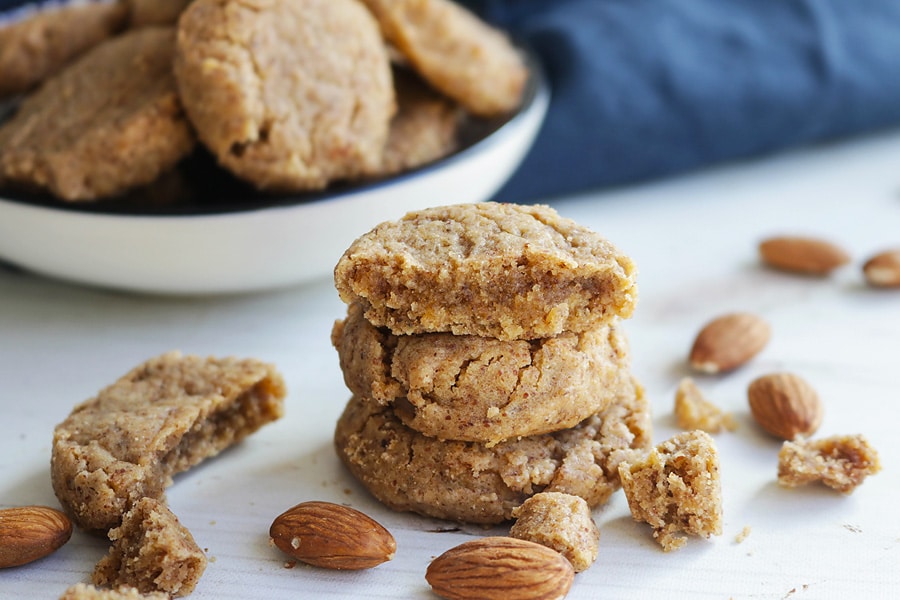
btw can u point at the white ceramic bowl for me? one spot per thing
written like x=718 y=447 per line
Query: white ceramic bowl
x=276 y=243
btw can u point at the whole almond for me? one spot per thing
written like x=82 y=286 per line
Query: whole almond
x=333 y=536
x=729 y=341
x=28 y=533
x=811 y=256
x=785 y=405
x=500 y=568
x=883 y=269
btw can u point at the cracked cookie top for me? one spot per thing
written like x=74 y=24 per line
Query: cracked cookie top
x=488 y=269
x=289 y=95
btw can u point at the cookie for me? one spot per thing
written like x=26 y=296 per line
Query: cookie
x=676 y=488
x=37 y=43
x=456 y=52
x=155 y=12
x=83 y=591
x=108 y=122
x=288 y=94
x=425 y=128
x=468 y=482
x=162 y=418
x=470 y=388
x=492 y=270
x=152 y=552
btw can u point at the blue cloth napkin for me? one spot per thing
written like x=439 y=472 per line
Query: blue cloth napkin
x=648 y=88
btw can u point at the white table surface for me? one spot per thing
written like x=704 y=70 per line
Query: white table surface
x=694 y=240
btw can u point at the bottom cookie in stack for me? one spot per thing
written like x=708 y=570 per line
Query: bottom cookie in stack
x=470 y=482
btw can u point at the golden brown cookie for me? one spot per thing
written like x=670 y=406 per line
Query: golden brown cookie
x=155 y=12
x=424 y=129
x=493 y=270
x=470 y=388
x=152 y=552
x=108 y=122
x=288 y=94
x=37 y=43
x=163 y=417
x=465 y=481
x=456 y=52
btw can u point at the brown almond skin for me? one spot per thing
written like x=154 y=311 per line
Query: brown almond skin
x=883 y=269
x=28 y=533
x=785 y=405
x=332 y=536
x=500 y=568
x=729 y=341
x=806 y=255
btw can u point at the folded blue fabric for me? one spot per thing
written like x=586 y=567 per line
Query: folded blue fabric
x=648 y=88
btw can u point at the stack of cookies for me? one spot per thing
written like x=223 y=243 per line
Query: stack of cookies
x=484 y=350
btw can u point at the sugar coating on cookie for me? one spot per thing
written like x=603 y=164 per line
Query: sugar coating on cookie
x=288 y=94
x=559 y=521
x=424 y=129
x=84 y=591
x=37 y=43
x=152 y=552
x=470 y=388
x=163 y=417
x=468 y=482
x=841 y=462
x=458 y=53
x=489 y=269
x=108 y=122
x=676 y=488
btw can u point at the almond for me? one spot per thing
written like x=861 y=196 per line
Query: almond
x=500 y=568
x=729 y=341
x=811 y=256
x=883 y=270
x=333 y=536
x=785 y=405
x=28 y=533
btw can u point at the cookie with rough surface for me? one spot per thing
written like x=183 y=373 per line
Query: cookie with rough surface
x=108 y=122
x=842 y=462
x=288 y=94
x=37 y=43
x=488 y=269
x=152 y=552
x=163 y=417
x=456 y=52
x=468 y=482
x=470 y=388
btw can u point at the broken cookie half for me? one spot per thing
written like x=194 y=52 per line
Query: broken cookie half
x=165 y=416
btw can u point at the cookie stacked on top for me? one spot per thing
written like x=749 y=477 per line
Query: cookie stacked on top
x=487 y=362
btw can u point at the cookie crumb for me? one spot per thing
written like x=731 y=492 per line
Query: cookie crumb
x=559 y=521
x=743 y=535
x=840 y=462
x=152 y=551
x=694 y=411
x=676 y=488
